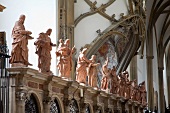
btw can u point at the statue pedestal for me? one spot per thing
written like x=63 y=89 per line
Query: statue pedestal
x=18 y=65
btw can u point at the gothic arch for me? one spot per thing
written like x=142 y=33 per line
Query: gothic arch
x=38 y=100
x=59 y=102
x=89 y=107
x=74 y=106
x=133 y=33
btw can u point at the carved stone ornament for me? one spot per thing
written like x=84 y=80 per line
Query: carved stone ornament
x=21 y=95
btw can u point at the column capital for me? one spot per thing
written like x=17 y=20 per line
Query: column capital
x=21 y=95
x=160 y=68
x=150 y=57
x=47 y=100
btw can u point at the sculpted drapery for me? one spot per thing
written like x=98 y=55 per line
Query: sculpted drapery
x=19 y=53
x=43 y=48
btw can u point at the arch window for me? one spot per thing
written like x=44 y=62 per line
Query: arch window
x=73 y=106
x=87 y=109
x=55 y=107
x=31 y=105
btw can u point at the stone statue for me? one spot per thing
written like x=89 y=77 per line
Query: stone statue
x=135 y=91
x=64 y=56
x=19 y=53
x=92 y=72
x=127 y=85
x=82 y=65
x=114 y=81
x=106 y=74
x=122 y=84
x=143 y=93
x=43 y=48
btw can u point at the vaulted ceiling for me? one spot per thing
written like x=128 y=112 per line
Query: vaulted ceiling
x=158 y=21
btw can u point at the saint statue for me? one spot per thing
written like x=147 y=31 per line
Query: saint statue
x=142 y=90
x=135 y=91
x=82 y=66
x=106 y=74
x=114 y=81
x=43 y=48
x=64 y=56
x=19 y=53
x=92 y=72
x=122 y=84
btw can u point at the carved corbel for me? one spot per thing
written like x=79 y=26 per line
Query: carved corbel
x=47 y=100
x=21 y=95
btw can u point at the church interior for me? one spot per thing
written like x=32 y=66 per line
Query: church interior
x=84 y=56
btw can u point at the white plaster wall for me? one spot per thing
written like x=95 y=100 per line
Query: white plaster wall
x=141 y=67
x=85 y=31
x=40 y=15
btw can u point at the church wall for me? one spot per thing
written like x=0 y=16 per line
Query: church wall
x=40 y=15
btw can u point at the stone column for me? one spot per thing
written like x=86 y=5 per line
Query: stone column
x=20 y=101
x=168 y=86
x=66 y=24
x=117 y=106
x=47 y=105
x=149 y=58
x=168 y=73
x=70 y=21
x=134 y=107
x=150 y=83
x=66 y=105
x=128 y=106
x=133 y=68
x=161 y=90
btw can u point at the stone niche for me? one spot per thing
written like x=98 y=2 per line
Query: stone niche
x=31 y=91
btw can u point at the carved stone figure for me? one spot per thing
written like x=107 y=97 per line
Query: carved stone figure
x=106 y=74
x=64 y=56
x=19 y=53
x=127 y=85
x=135 y=91
x=92 y=72
x=43 y=48
x=122 y=84
x=82 y=65
x=114 y=81
x=142 y=92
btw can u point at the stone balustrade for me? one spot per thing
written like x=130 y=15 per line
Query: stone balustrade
x=54 y=93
